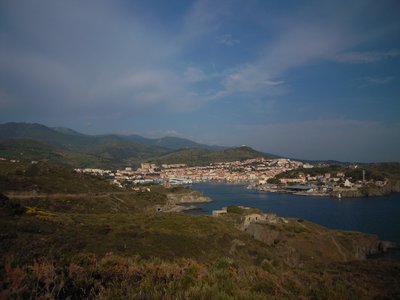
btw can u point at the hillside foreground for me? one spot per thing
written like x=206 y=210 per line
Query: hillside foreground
x=71 y=235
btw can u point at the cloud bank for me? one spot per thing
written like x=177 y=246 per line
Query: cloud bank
x=137 y=64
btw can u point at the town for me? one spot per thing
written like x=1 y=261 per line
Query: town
x=257 y=170
x=258 y=173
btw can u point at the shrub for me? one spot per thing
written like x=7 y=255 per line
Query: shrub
x=263 y=287
x=232 y=209
x=12 y=207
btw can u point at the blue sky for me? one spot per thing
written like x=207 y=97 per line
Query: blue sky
x=305 y=79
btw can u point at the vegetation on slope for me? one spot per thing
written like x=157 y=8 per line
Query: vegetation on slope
x=46 y=178
x=100 y=149
x=113 y=244
x=28 y=150
x=201 y=157
x=170 y=142
x=389 y=172
x=115 y=277
x=65 y=146
x=378 y=171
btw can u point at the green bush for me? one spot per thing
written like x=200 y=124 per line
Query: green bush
x=263 y=287
x=13 y=208
x=235 y=210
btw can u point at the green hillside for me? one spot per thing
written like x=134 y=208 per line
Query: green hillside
x=117 y=149
x=70 y=147
x=172 y=143
x=239 y=153
x=71 y=140
x=66 y=130
x=65 y=235
x=42 y=134
x=28 y=150
x=199 y=157
x=65 y=146
x=48 y=178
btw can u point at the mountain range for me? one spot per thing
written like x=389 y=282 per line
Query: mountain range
x=66 y=146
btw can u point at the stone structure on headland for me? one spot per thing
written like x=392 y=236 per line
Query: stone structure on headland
x=299 y=235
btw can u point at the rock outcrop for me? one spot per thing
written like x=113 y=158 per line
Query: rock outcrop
x=370 y=191
x=190 y=197
x=299 y=241
x=176 y=201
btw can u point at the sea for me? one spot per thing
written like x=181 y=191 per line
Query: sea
x=376 y=215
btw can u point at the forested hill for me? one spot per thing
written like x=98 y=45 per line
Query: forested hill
x=26 y=141
x=200 y=156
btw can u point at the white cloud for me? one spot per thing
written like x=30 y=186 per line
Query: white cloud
x=147 y=88
x=171 y=133
x=365 y=82
x=366 y=57
x=378 y=80
x=203 y=18
x=113 y=61
x=161 y=133
x=76 y=53
x=249 y=78
x=299 y=39
x=192 y=74
x=97 y=56
x=316 y=33
x=228 y=40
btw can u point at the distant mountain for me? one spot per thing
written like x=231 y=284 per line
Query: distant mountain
x=38 y=132
x=328 y=161
x=66 y=146
x=23 y=149
x=170 y=142
x=111 y=148
x=66 y=130
x=199 y=156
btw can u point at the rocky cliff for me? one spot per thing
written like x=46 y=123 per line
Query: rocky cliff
x=176 y=201
x=371 y=191
x=189 y=197
x=298 y=241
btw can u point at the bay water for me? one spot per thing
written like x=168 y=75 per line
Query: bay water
x=376 y=215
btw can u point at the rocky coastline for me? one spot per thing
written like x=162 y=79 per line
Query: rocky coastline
x=182 y=202
x=297 y=235
x=371 y=191
x=365 y=191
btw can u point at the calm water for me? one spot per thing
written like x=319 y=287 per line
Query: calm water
x=379 y=215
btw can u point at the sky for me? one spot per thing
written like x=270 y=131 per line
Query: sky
x=302 y=79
